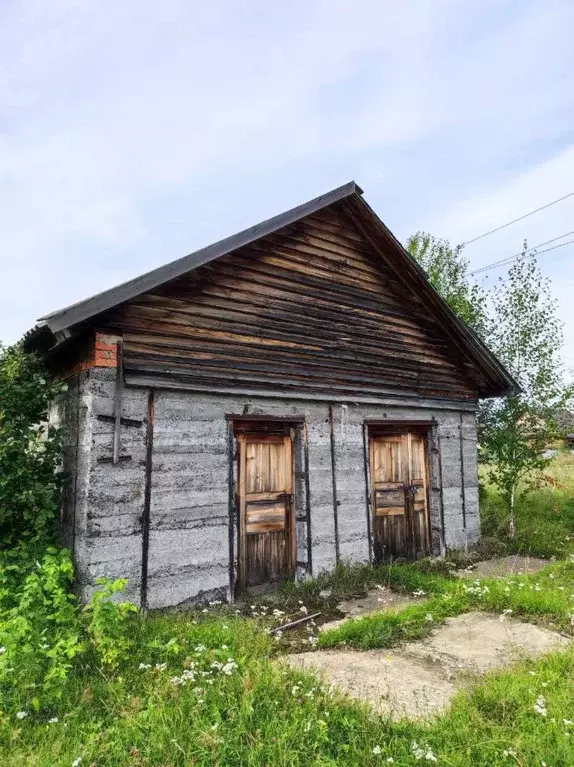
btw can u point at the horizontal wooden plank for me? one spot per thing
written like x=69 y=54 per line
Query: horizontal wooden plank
x=310 y=308
x=256 y=528
x=179 y=351
x=273 y=497
x=390 y=511
x=386 y=498
x=388 y=486
x=261 y=371
x=259 y=513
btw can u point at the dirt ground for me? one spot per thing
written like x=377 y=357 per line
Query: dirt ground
x=419 y=679
x=377 y=600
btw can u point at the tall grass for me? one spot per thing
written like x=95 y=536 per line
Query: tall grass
x=544 y=516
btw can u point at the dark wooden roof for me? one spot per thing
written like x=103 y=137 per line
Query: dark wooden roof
x=65 y=321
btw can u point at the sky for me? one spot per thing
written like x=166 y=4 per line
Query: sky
x=134 y=132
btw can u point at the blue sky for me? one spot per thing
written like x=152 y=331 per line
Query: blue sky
x=132 y=133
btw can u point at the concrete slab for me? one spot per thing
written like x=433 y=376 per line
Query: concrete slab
x=477 y=642
x=418 y=680
x=500 y=567
x=393 y=684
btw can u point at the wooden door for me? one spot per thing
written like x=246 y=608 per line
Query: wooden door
x=399 y=498
x=266 y=521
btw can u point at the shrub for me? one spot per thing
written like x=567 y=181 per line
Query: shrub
x=40 y=634
x=30 y=482
x=109 y=622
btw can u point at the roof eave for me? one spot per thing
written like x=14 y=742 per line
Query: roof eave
x=69 y=316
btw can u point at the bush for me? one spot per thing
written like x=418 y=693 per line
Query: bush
x=30 y=482
x=109 y=622
x=40 y=635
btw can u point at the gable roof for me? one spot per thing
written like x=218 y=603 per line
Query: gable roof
x=349 y=196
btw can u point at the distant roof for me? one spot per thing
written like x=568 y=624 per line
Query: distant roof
x=61 y=323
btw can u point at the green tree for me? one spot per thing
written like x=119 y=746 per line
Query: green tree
x=30 y=480
x=447 y=271
x=527 y=337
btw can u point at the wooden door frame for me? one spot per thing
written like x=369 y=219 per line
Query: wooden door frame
x=424 y=428
x=241 y=429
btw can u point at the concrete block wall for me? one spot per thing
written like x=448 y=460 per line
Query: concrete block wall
x=189 y=535
x=189 y=512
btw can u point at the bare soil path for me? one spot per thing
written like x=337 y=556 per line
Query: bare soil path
x=419 y=679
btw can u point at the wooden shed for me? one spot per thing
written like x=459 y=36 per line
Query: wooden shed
x=291 y=397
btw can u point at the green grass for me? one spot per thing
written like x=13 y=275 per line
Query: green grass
x=544 y=517
x=546 y=598
x=264 y=714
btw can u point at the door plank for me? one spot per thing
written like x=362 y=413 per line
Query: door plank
x=267 y=539
x=399 y=490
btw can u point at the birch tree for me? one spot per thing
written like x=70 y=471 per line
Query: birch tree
x=526 y=334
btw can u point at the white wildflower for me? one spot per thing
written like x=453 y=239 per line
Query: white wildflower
x=53 y=720
x=376 y=750
x=295 y=689
x=390 y=760
x=229 y=668
x=540 y=706
x=303 y=609
x=160 y=666
x=21 y=715
x=76 y=761
x=422 y=752
x=144 y=666
x=200 y=648
x=567 y=722
x=419 y=593
x=2 y=650
x=509 y=752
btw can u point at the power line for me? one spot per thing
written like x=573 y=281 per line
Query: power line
x=532 y=212
x=510 y=259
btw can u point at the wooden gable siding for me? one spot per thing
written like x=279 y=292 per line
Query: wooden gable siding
x=310 y=308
